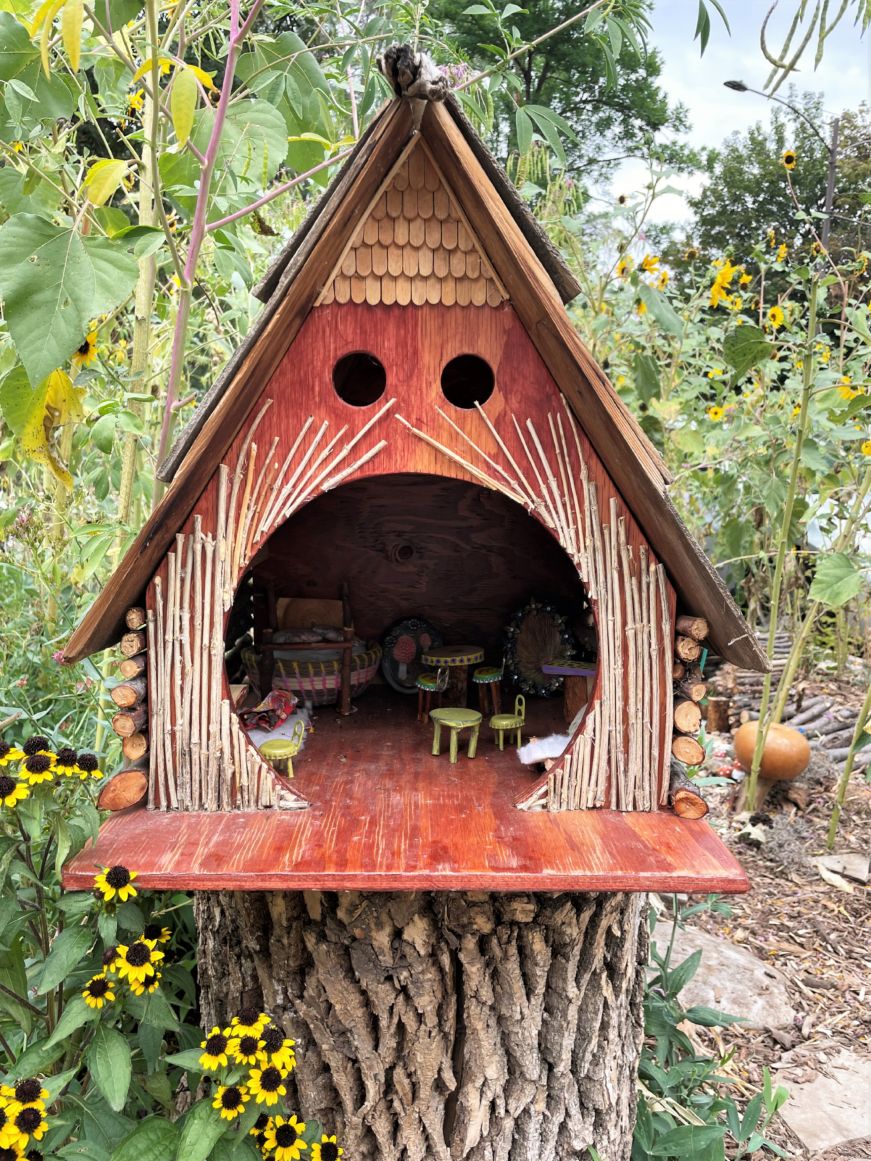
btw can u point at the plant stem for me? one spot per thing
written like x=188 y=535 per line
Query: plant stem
x=844 y=781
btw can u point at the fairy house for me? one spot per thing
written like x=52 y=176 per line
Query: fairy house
x=412 y=422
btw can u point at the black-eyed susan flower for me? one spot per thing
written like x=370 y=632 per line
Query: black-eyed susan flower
x=788 y=158
x=214 y=1050
x=267 y=1085
x=9 y=753
x=29 y=1121
x=258 y=1130
x=26 y=1092
x=231 y=1100
x=110 y=959
x=250 y=1021
x=278 y=1050
x=157 y=932
x=284 y=1138
x=65 y=761
x=326 y=1149
x=8 y=1132
x=12 y=791
x=87 y=352
x=10 y=1152
x=138 y=961
x=147 y=986
x=88 y=766
x=715 y=413
x=98 y=991
x=775 y=317
x=116 y=882
x=37 y=768
x=245 y=1049
x=38 y=744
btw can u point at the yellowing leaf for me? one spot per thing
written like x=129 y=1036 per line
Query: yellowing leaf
x=71 y=31
x=203 y=77
x=56 y=402
x=43 y=20
x=183 y=102
x=163 y=63
x=103 y=178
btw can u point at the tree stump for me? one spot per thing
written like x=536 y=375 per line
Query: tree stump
x=439 y=1026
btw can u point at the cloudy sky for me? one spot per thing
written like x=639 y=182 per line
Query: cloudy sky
x=843 y=77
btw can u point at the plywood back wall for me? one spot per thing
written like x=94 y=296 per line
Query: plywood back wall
x=462 y=557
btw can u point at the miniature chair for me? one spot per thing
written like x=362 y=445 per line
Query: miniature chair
x=488 y=679
x=506 y=723
x=455 y=720
x=427 y=685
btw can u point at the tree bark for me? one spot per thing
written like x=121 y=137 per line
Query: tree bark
x=443 y=1026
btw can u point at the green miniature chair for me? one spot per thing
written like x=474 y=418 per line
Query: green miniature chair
x=427 y=685
x=455 y=720
x=488 y=679
x=506 y=723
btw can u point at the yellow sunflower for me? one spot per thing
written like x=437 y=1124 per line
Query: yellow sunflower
x=782 y=251
x=662 y=281
x=138 y=961
x=115 y=881
x=326 y=1149
x=775 y=317
x=98 y=991
x=715 y=414
x=788 y=158
x=231 y=1100
x=624 y=267
x=267 y=1085
x=649 y=263
x=284 y=1138
x=12 y=791
x=865 y=449
x=87 y=352
x=745 y=279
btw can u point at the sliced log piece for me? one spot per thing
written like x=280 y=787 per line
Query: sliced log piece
x=135 y=618
x=692 y=687
x=683 y=794
x=687 y=717
x=133 y=643
x=687 y=649
x=859 y=758
x=828 y=725
x=134 y=747
x=128 y=693
x=127 y=788
x=695 y=627
x=678 y=671
x=133 y=666
x=687 y=750
x=717 y=719
x=129 y=721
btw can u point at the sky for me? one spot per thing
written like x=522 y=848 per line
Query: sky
x=843 y=77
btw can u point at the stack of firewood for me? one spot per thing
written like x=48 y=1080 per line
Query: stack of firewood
x=690 y=689
x=130 y=722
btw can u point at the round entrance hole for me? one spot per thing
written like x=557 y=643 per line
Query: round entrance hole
x=467 y=380
x=359 y=378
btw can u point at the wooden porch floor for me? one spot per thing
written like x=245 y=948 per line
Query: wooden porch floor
x=387 y=815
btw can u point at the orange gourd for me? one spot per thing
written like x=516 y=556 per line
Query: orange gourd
x=785 y=756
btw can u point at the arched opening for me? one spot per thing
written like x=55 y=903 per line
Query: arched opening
x=425 y=562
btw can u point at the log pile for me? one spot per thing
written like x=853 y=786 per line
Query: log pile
x=130 y=695
x=690 y=690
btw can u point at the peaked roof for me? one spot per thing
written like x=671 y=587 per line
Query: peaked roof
x=538 y=284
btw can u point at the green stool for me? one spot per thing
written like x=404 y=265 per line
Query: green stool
x=507 y=723
x=427 y=685
x=455 y=720
x=488 y=679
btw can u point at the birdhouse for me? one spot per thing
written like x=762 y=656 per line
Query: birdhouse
x=410 y=525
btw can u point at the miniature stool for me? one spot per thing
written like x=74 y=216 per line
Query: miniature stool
x=506 y=723
x=488 y=679
x=427 y=685
x=455 y=720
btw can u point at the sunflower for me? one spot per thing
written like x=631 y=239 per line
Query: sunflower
x=715 y=414
x=215 y=1054
x=29 y=1121
x=691 y=254
x=26 y=1092
x=37 y=768
x=782 y=251
x=88 y=766
x=65 y=761
x=249 y=1022
x=745 y=279
x=640 y=307
x=87 y=352
x=136 y=100
x=267 y=1085
x=9 y=753
x=788 y=158
x=775 y=317
x=284 y=1138
x=156 y=932
x=846 y=390
x=662 y=281
x=278 y=1050
x=649 y=263
x=114 y=881
x=624 y=266
x=326 y=1149
x=865 y=449
x=138 y=961
x=231 y=1100
x=147 y=986
x=98 y=991
x=12 y=791
x=245 y=1049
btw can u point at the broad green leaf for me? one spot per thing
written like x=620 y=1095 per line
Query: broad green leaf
x=19 y=60
x=108 y=1060
x=14 y=975
x=183 y=102
x=837 y=579
x=679 y=977
x=201 y=1128
x=661 y=309
x=53 y=283
x=189 y=1060
x=744 y=348
x=71 y=31
x=686 y=1140
x=153 y=1139
x=646 y=371
x=103 y=179
x=75 y=1014
x=66 y=954
x=103 y=433
x=36 y=1059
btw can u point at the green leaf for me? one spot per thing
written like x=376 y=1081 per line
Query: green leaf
x=103 y=434
x=14 y=975
x=75 y=1015
x=744 y=348
x=108 y=1059
x=19 y=60
x=189 y=1060
x=646 y=371
x=679 y=977
x=66 y=954
x=36 y=1059
x=183 y=102
x=523 y=126
x=153 y=1139
x=710 y=1017
x=837 y=579
x=200 y=1130
x=661 y=309
x=686 y=1140
x=54 y=282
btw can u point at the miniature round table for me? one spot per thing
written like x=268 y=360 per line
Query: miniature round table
x=456 y=659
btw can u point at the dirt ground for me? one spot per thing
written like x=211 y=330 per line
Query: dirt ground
x=816 y=932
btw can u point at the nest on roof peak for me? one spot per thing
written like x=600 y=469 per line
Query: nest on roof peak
x=413 y=75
